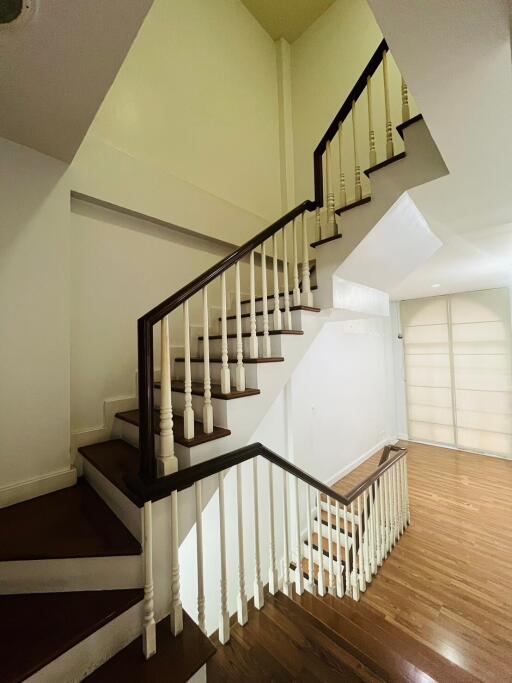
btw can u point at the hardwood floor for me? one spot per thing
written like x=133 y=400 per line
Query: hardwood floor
x=448 y=582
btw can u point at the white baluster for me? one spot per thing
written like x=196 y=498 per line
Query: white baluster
x=296 y=288
x=207 y=403
x=388 y=512
x=389 y=127
x=267 y=352
x=348 y=588
x=167 y=462
x=358 y=190
x=339 y=579
x=366 y=538
x=343 y=189
x=378 y=532
x=332 y=228
x=382 y=520
x=307 y=296
x=273 y=582
x=258 y=584
x=286 y=543
x=373 y=552
x=355 y=554
x=225 y=377
x=392 y=489
x=406 y=113
x=320 y=576
x=253 y=344
x=331 y=588
x=318 y=223
x=277 y=309
x=399 y=492
x=394 y=471
x=242 y=596
x=311 y=563
x=371 y=131
x=286 y=294
x=299 y=577
x=407 y=490
x=199 y=555
x=224 y=614
x=361 y=572
x=240 y=370
x=149 y=628
x=176 y=614
x=188 y=411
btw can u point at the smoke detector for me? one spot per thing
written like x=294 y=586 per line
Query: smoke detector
x=15 y=12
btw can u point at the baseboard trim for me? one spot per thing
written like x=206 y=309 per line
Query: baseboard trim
x=38 y=486
x=355 y=463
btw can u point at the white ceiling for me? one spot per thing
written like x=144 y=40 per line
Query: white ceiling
x=56 y=67
x=286 y=18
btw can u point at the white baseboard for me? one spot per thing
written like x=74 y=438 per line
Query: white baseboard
x=355 y=463
x=38 y=486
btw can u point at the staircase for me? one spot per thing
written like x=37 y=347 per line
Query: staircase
x=95 y=578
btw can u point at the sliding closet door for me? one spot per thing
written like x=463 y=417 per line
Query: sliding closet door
x=458 y=370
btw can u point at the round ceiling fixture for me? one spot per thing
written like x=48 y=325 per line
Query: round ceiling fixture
x=15 y=12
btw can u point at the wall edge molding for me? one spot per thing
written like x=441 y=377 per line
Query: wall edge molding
x=37 y=486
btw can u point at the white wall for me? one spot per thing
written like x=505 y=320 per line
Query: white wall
x=34 y=300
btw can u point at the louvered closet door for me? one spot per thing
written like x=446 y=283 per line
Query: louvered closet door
x=458 y=370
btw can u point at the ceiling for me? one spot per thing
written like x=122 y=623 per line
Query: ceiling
x=57 y=66
x=286 y=18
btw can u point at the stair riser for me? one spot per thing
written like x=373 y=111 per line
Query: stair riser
x=334 y=535
x=246 y=323
x=246 y=308
x=73 y=574
x=350 y=518
x=216 y=346
x=220 y=407
x=197 y=372
x=317 y=559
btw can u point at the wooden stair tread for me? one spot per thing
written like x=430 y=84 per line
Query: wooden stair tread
x=325 y=240
x=70 y=523
x=258 y=334
x=353 y=205
x=132 y=417
x=313 y=309
x=383 y=164
x=116 y=460
x=316 y=570
x=271 y=296
x=325 y=522
x=36 y=628
x=198 y=390
x=177 y=659
x=325 y=546
x=271 y=359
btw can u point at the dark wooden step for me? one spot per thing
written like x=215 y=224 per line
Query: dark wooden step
x=132 y=417
x=258 y=334
x=70 y=523
x=271 y=359
x=198 y=390
x=118 y=461
x=271 y=296
x=37 y=628
x=353 y=205
x=177 y=659
x=402 y=126
x=260 y=313
x=383 y=164
x=318 y=243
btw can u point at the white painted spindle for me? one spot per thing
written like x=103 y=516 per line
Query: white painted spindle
x=188 y=411
x=366 y=537
x=339 y=569
x=358 y=190
x=392 y=488
x=224 y=614
x=225 y=377
x=311 y=562
x=258 y=584
x=296 y=288
x=382 y=520
x=354 y=579
x=318 y=223
x=378 y=535
x=286 y=538
x=307 y=296
x=332 y=228
x=343 y=189
x=277 y=309
x=176 y=613
x=387 y=491
x=361 y=572
x=273 y=584
x=264 y=302
x=286 y=291
x=389 y=127
x=373 y=541
x=398 y=467
x=199 y=556
x=407 y=490
x=299 y=577
x=406 y=113
x=167 y=462
x=253 y=344
x=149 y=628
x=331 y=588
x=371 y=131
x=240 y=370
x=207 y=403
x=348 y=577
x=242 y=596
x=320 y=576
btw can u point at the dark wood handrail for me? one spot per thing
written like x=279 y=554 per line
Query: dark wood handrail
x=183 y=479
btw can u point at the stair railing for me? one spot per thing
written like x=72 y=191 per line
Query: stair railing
x=318 y=539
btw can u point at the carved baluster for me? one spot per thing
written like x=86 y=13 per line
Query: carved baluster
x=382 y=519
x=258 y=584
x=167 y=462
x=394 y=470
x=373 y=552
x=311 y=562
x=267 y=352
x=207 y=403
x=339 y=578
x=392 y=489
x=388 y=511
x=371 y=131
x=354 y=579
x=366 y=538
x=176 y=614
x=253 y=344
x=399 y=496
x=389 y=126
x=361 y=572
x=318 y=223
x=331 y=587
x=407 y=490
x=378 y=536
x=242 y=596
x=240 y=370
x=277 y=309
x=343 y=189
x=286 y=544
x=273 y=585
x=149 y=628
x=348 y=577
x=406 y=112
x=358 y=190
x=296 y=288
x=188 y=412
x=225 y=377
x=307 y=296
x=332 y=228
x=199 y=554
x=224 y=614
x=286 y=295
x=299 y=577
x=320 y=576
